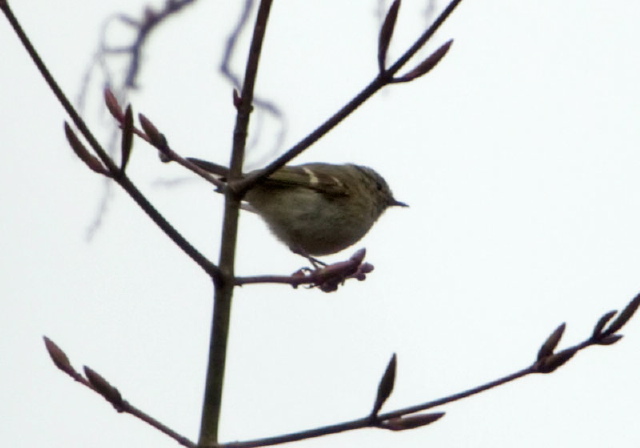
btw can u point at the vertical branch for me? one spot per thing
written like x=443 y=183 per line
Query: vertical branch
x=209 y=424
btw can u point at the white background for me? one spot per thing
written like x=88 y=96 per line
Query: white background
x=519 y=155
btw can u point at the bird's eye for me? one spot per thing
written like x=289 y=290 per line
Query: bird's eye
x=379 y=186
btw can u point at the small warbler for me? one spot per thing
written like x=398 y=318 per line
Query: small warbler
x=317 y=208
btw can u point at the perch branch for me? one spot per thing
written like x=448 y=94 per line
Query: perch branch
x=326 y=278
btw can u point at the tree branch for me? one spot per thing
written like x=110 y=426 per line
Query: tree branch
x=113 y=169
x=98 y=384
x=382 y=79
x=547 y=361
x=547 y=364
x=209 y=424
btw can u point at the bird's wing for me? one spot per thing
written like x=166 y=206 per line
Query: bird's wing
x=305 y=176
x=302 y=176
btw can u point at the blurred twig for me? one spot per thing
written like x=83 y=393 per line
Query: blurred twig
x=109 y=168
x=260 y=103
x=150 y=21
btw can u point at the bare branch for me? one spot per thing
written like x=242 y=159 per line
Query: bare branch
x=210 y=420
x=402 y=418
x=225 y=65
x=211 y=269
x=381 y=80
x=100 y=385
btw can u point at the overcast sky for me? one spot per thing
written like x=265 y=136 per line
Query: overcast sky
x=519 y=155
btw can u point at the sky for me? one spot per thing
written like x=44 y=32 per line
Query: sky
x=519 y=157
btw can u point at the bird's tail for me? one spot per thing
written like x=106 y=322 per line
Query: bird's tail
x=210 y=167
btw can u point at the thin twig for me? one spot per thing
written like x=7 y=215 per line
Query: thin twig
x=261 y=104
x=547 y=361
x=99 y=385
x=555 y=360
x=211 y=269
x=384 y=78
x=366 y=422
x=155 y=138
x=230 y=49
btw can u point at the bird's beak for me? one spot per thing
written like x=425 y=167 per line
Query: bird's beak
x=399 y=204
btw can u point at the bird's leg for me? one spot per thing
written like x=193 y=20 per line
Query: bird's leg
x=317 y=264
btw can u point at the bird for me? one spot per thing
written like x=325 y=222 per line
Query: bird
x=316 y=209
